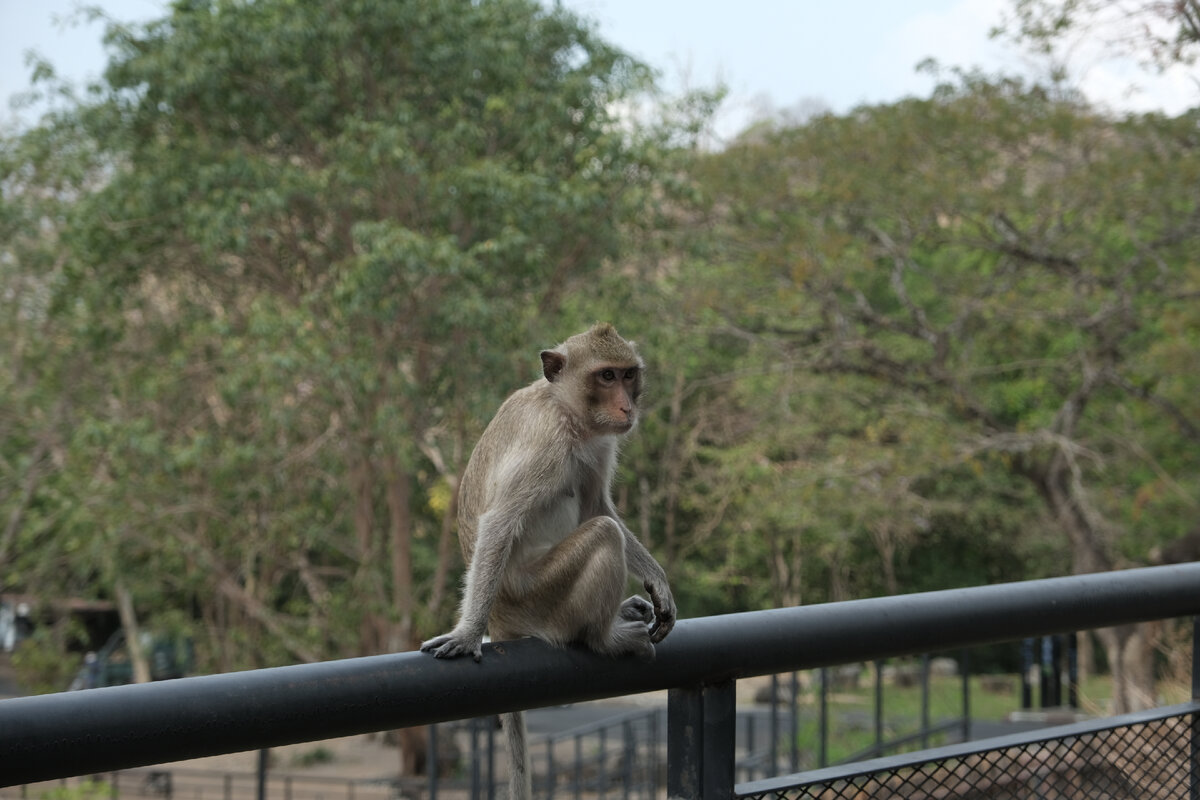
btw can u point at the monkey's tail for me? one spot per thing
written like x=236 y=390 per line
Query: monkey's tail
x=520 y=784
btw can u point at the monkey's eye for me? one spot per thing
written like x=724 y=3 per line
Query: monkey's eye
x=630 y=374
x=608 y=375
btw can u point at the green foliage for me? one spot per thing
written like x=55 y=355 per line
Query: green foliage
x=943 y=305
x=314 y=757
x=41 y=662
x=88 y=789
x=267 y=261
x=266 y=283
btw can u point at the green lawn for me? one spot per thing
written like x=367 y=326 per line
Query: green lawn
x=851 y=712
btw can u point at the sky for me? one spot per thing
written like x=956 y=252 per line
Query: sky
x=773 y=55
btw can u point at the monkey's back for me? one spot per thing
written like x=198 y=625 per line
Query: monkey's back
x=529 y=431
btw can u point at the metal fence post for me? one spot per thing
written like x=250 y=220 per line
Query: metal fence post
x=1195 y=738
x=431 y=761
x=794 y=755
x=823 y=732
x=773 y=751
x=1026 y=669
x=966 y=695
x=1072 y=644
x=878 y=751
x=264 y=756
x=700 y=741
x=925 y=717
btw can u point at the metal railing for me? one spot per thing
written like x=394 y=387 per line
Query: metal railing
x=101 y=730
x=1141 y=756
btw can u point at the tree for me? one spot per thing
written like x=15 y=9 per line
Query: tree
x=1163 y=33
x=283 y=244
x=990 y=270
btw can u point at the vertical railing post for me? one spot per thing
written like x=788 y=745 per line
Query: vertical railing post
x=1195 y=738
x=748 y=743
x=773 y=751
x=823 y=731
x=794 y=754
x=925 y=717
x=431 y=762
x=1045 y=665
x=264 y=756
x=966 y=695
x=1073 y=670
x=1026 y=669
x=700 y=740
x=878 y=751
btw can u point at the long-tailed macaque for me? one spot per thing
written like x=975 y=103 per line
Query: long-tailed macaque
x=547 y=554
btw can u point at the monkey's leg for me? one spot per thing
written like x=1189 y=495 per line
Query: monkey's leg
x=637 y=608
x=574 y=593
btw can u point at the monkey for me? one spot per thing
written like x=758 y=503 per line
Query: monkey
x=547 y=554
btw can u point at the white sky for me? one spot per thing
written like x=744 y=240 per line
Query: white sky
x=772 y=54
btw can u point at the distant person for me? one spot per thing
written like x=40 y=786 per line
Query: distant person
x=91 y=671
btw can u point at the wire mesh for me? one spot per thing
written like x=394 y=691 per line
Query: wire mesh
x=1141 y=761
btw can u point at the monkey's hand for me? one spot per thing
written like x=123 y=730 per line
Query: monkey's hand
x=454 y=644
x=664 y=609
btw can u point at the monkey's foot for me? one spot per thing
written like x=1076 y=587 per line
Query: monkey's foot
x=637 y=609
x=453 y=645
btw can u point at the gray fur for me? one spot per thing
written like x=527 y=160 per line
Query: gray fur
x=547 y=554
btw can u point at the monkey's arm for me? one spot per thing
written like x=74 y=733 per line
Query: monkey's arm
x=493 y=545
x=522 y=483
x=639 y=561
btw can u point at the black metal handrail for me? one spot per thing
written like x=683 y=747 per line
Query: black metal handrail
x=99 y=730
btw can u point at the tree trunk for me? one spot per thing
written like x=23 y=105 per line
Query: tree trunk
x=672 y=473
x=371 y=636
x=1128 y=648
x=885 y=543
x=413 y=746
x=1131 y=661
x=133 y=640
x=441 y=570
x=1086 y=662
x=399 y=491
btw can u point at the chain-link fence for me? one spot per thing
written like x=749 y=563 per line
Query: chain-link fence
x=1139 y=757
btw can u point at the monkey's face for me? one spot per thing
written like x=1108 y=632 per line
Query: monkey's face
x=613 y=392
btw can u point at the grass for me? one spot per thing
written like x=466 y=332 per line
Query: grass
x=312 y=758
x=852 y=711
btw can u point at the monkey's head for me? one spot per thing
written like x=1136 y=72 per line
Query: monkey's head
x=598 y=375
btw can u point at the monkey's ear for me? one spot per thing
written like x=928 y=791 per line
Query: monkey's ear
x=552 y=364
